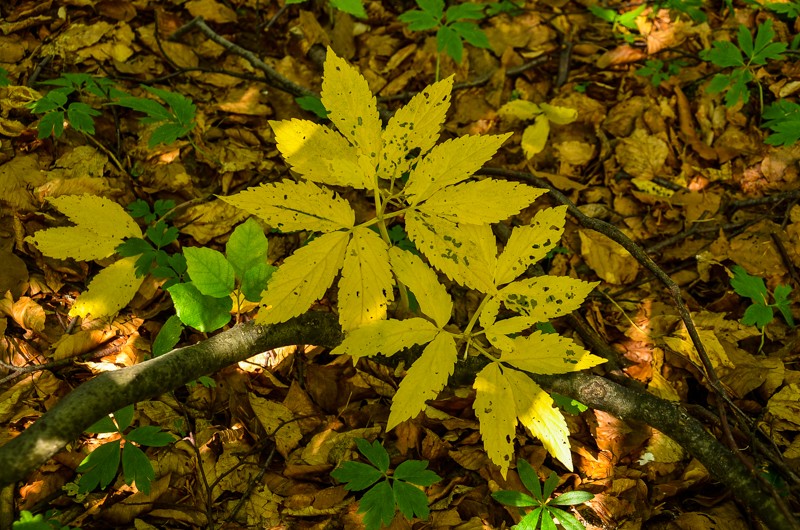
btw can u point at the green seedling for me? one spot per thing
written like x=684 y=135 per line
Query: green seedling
x=783 y=119
x=658 y=71
x=46 y=521
x=101 y=466
x=621 y=22
x=693 y=8
x=388 y=491
x=312 y=104
x=544 y=508
x=4 y=80
x=453 y=26
x=177 y=119
x=168 y=337
x=351 y=7
x=743 y=59
x=761 y=312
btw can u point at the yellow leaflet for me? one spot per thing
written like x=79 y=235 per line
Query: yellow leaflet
x=549 y=353
x=351 y=106
x=111 y=290
x=303 y=278
x=497 y=418
x=424 y=380
x=529 y=244
x=519 y=109
x=559 y=115
x=101 y=225
x=481 y=202
x=386 y=337
x=546 y=297
x=291 y=206
x=489 y=312
x=457 y=251
x=415 y=125
x=449 y=163
x=534 y=137
x=319 y=154
x=535 y=411
x=367 y=284
x=497 y=332
x=432 y=296
x=651 y=188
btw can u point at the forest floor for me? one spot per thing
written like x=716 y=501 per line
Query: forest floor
x=694 y=178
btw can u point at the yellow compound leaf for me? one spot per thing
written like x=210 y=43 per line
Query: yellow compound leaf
x=497 y=418
x=351 y=106
x=450 y=163
x=319 y=154
x=534 y=137
x=414 y=126
x=549 y=353
x=100 y=226
x=519 y=110
x=481 y=202
x=424 y=380
x=536 y=411
x=529 y=244
x=458 y=251
x=291 y=206
x=367 y=285
x=431 y=295
x=546 y=297
x=386 y=337
x=559 y=115
x=497 y=333
x=111 y=290
x=302 y=278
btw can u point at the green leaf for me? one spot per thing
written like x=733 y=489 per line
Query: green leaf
x=161 y=234
x=751 y=287
x=312 y=104
x=168 y=336
x=183 y=108
x=168 y=133
x=411 y=500
x=723 y=54
x=571 y=498
x=763 y=48
x=415 y=471
x=375 y=453
x=255 y=281
x=155 y=111
x=514 y=498
x=133 y=247
x=210 y=272
x=136 y=467
x=608 y=15
x=51 y=123
x=566 y=519
x=435 y=8
x=782 y=118
x=448 y=40
x=104 y=424
x=356 y=476
x=629 y=19
x=746 y=40
x=531 y=520
x=467 y=10
x=124 y=417
x=4 y=80
x=378 y=506
x=471 y=33
x=757 y=314
x=549 y=485
x=352 y=7
x=100 y=467
x=567 y=404
x=530 y=479
x=738 y=90
x=418 y=20
x=140 y=208
x=150 y=435
x=547 y=519
x=204 y=313
x=247 y=247
x=782 y=302
x=80 y=117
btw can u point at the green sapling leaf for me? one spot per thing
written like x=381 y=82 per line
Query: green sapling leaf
x=751 y=287
x=514 y=498
x=204 y=313
x=530 y=480
x=168 y=336
x=572 y=498
x=104 y=424
x=211 y=273
x=247 y=247
x=375 y=453
x=566 y=519
x=378 y=506
x=312 y=104
x=99 y=467
x=411 y=500
x=150 y=436
x=356 y=476
x=416 y=472
x=136 y=468
x=758 y=315
x=124 y=417
x=782 y=302
x=351 y=7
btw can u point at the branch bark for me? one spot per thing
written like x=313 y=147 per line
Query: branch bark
x=113 y=390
